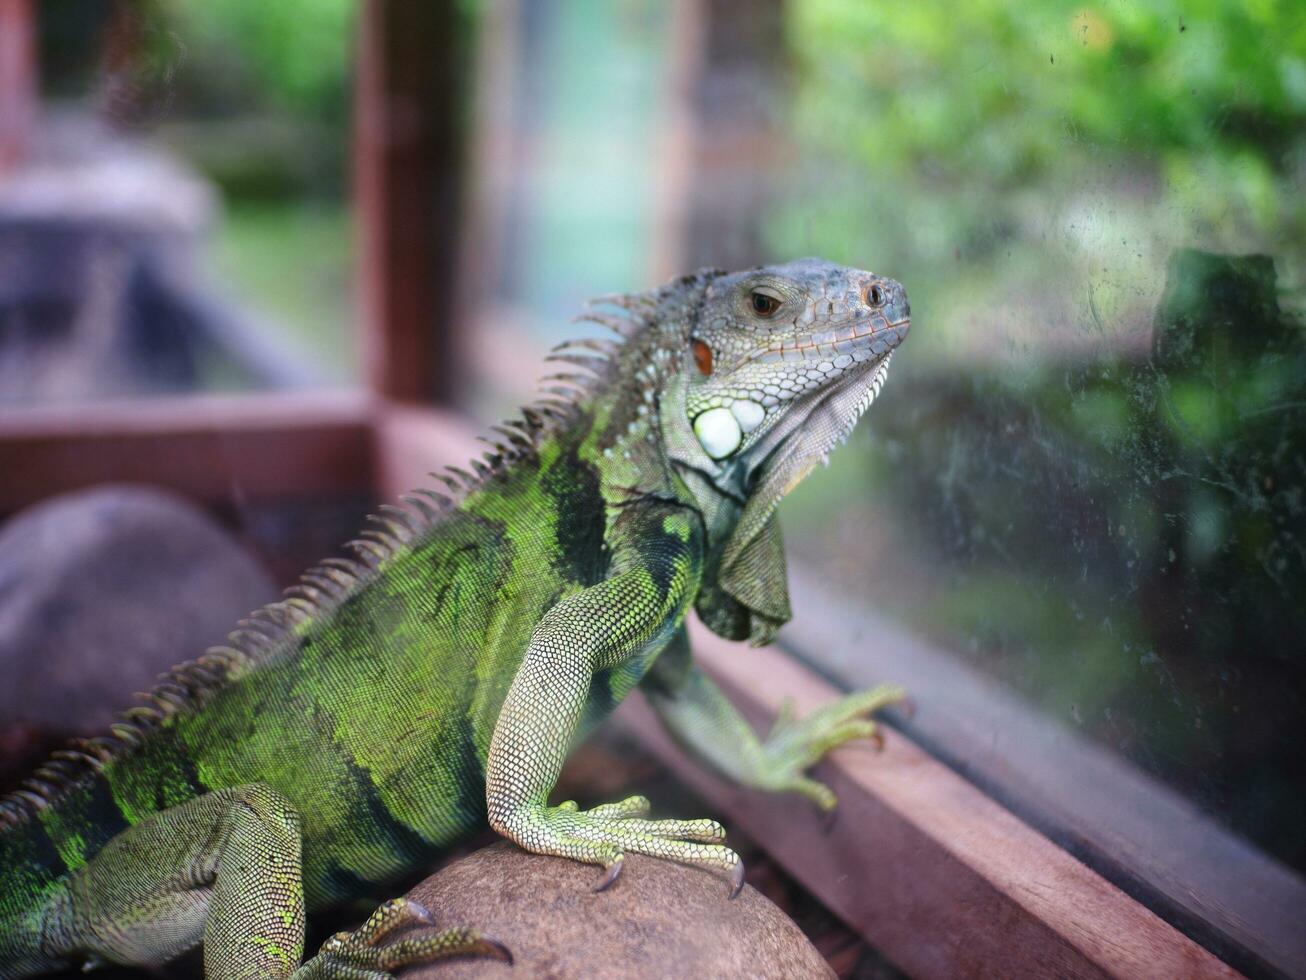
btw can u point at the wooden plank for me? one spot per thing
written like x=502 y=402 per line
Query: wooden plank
x=737 y=142
x=939 y=877
x=678 y=140
x=411 y=442
x=211 y=448
x=407 y=154
x=493 y=155
x=17 y=81
x=1136 y=832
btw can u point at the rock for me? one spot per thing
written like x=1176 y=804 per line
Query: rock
x=100 y=591
x=659 y=920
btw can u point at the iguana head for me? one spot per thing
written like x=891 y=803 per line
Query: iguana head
x=779 y=363
x=783 y=359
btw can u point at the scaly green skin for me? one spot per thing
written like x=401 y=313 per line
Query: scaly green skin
x=392 y=706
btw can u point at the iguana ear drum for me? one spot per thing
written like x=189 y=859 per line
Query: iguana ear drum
x=702 y=356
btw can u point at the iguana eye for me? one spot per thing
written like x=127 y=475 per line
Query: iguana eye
x=764 y=305
x=702 y=356
x=875 y=295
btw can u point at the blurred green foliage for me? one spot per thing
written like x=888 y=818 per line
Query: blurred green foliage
x=289 y=55
x=1031 y=147
x=259 y=93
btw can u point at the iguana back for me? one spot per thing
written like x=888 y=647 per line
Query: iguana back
x=368 y=698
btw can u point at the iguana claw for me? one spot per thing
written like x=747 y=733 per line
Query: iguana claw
x=492 y=949
x=418 y=912
x=828 y=819
x=610 y=874
x=737 y=879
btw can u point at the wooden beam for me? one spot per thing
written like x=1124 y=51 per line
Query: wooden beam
x=18 y=84
x=936 y=875
x=214 y=449
x=736 y=145
x=411 y=442
x=407 y=173
x=678 y=140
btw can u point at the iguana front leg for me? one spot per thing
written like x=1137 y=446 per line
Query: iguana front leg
x=606 y=626
x=224 y=869
x=702 y=719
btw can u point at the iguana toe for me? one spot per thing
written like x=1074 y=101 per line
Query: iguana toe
x=796 y=744
x=610 y=874
x=358 y=955
x=606 y=833
x=737 y=879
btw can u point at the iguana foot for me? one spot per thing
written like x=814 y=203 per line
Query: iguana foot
x=357 y=956
x=794 y=745
x=605 y=833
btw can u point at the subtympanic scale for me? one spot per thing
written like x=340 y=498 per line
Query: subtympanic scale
x=721 y=431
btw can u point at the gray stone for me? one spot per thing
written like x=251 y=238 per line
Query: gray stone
x=659 y=920
x=100 y=591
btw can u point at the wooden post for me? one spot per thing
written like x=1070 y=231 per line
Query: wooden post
x=407 y=183
x=736 y=146
x=17 y=81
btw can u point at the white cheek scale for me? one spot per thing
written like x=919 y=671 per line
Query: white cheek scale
x=718 y=432
x=749 y=414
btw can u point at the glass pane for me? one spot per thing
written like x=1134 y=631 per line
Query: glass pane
x=1084 y=478
x=178 y=220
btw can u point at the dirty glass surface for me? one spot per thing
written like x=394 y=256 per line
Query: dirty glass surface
x=1086 y=478
x=178 y=220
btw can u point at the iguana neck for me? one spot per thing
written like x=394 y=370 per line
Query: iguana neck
x=639 y=433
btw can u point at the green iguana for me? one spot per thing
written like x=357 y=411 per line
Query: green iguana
x=390 y=705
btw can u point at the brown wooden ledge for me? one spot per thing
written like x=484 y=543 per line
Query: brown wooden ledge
x=936 y=875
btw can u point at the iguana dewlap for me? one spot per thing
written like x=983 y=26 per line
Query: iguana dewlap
x=391 y=705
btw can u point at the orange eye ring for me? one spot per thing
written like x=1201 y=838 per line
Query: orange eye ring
x=702 y=356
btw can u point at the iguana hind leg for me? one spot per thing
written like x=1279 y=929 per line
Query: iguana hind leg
x=224 y=869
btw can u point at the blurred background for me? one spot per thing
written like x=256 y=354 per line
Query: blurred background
x=1086 y=480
